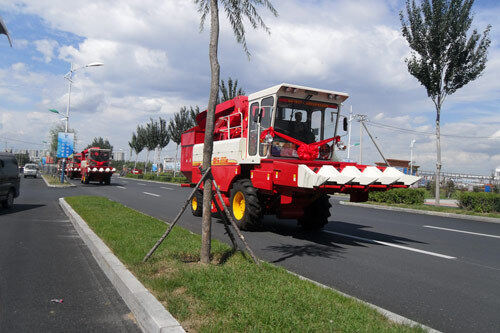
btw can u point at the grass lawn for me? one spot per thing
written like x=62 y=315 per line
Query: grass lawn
x=52 y=180
x=454 y=210
x=230 y=295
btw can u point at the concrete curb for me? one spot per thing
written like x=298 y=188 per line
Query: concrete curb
x=386 y=313
x=150 y=181
x=148 y=311
x=424 y=212
x=58 y=186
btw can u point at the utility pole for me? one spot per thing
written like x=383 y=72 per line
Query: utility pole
x=360 y=118
x=412 y=145
x=349 y=135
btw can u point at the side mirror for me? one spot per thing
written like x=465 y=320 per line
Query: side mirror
x=345 y=125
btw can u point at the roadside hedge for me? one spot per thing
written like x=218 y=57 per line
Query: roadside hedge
x=163 y=177
x=408 y=196
x=479 y=202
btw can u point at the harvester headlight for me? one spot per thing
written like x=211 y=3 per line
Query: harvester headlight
x=107 y=169
x=269 y=138
x=101 y=170
x=113 y=169
x=94 y=169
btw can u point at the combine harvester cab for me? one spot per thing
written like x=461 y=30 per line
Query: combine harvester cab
x=73 y=169
x=273 y=154
x=95 y=166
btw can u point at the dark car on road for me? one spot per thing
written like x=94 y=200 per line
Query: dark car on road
x=9 y=179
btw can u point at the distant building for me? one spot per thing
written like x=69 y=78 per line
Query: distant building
x=401 y=165
x=119 y=156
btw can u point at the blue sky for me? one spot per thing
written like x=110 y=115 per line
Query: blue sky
x=156 y=61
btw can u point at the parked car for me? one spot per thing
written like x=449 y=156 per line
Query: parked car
x=30 y=170
x=9 y=179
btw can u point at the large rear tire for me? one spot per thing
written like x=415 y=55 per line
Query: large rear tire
x=9 y=201
x=316 y=214
x=246 y=207
x=197 y=203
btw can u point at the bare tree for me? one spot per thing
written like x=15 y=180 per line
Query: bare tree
x=235 y=10
x=444 y=59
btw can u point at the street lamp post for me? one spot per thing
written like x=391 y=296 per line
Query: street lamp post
x=69 y=77
x=412 y=145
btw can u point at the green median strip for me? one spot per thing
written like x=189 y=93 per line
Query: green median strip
x=443 y=209
x=53 y=180
x=232 y=294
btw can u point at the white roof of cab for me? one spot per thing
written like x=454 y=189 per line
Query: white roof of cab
x=274 y=89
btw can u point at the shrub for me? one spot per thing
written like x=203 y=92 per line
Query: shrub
x=408 y=196
x=480 y=202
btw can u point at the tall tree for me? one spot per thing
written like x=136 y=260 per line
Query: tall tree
x=193 y=112
x=101 y=143
x=163 y=138
x=445 y=56
x=140 y=142
x=235 y=10
x=151 y=137
x=178 y=124
x=230 y=91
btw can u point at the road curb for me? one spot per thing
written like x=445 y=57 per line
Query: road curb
x=58 y=186
x=424 y=212
x=148 y=311
x=150 y=181
x=394 y=317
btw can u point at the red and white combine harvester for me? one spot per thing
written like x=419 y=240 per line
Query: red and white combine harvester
x=273 y=155
x=95 y=166
x=73 y=167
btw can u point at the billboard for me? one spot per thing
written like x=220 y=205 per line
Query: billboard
x=65 y=143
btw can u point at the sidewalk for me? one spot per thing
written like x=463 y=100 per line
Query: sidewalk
x=442 y=202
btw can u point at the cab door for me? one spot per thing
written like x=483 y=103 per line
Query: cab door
x=260 y=117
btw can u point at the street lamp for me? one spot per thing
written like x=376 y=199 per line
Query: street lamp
x=4 y=31
x=412 y=145
x=69 y=77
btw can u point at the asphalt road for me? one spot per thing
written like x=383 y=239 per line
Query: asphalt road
x=43 y=258
x=442 y=272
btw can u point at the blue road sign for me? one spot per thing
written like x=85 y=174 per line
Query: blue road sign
x=65 y=143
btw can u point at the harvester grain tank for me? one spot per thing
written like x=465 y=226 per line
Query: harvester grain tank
x=274 y=154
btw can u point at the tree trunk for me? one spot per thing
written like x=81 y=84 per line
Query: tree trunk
x=209 y=132
x=438 y=150
x=176 y=154
x=136 y=157
x=146 y=163
x=158 y=162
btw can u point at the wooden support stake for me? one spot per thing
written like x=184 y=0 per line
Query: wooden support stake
x=235 y=226
x=226 y=224
x=153 y=249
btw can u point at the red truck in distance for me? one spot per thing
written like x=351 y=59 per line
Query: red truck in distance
x=73 y=167
x=95 y=166
x=273 y=154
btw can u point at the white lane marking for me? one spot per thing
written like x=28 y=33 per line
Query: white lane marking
x=462 y=231
x=155 y=195
x=122 y=187
x=167 y=188
x=392 y=245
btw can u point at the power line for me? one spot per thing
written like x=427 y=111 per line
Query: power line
x=22 y=141
x=400 y=129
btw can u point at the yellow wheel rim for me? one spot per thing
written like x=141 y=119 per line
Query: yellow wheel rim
x=239 y=205
x=194 y=203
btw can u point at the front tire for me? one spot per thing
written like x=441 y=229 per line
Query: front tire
x=246 y=208
x=9 y=202
x=197 y=203
x=316 y=214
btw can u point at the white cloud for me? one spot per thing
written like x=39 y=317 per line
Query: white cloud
x=46 y=48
